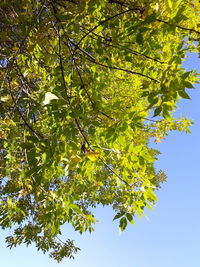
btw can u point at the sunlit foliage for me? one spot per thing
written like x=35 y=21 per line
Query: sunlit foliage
x=85 y=86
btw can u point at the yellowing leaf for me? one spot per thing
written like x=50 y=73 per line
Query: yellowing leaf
x=169 y=3
x=92 y=155
x=14 y=84
x=76 y=159
x=5 y=98
x=48 y=97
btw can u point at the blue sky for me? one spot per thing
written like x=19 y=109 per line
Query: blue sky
x=169 y=237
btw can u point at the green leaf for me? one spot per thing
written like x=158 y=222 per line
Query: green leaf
x=166 y=114
x=130 y=218
x=44 y=158
x=137 y=149
x=150 y=18
x=188 y=85
x=185 y=75
x=139 y=38
x=152 y=100
x=118 y=215
x=150 y=195
x=122 y=224
x=183 y=94
x=157 y=111
x=76 y=209
x=147 y=156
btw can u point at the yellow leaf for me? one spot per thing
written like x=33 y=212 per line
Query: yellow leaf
x=76 y=159
x=14 y=84
x=169 y=2
x=5 y=98
x=92 y=155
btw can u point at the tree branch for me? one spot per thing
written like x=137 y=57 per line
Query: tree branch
x=106 y=20
x=124 y=70
x=117 y=2
x=81 y=79
x=21 y=115
x=62 y=67
x=81 y=131
x=108 y=40
x=109 y=168
x=180 y=27
x=60 y=55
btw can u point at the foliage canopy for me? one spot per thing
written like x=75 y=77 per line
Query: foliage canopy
x=79 y=81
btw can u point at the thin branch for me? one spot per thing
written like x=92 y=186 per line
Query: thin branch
x=39 y=13
x=61 y=241
x=107 y=41
x=60 y=55
x=92 y=59
x=180 y=27
x=89 y=97
x=24 y=82
x=80 y=49
x=10 y=67
x=21 y=115
x=106 y=20
x=117 y=2
x=106 y=115
x=62 y=71
x=20 y=47
x=81 y=131
x=134 y=52
x=80 y=76
x=25 y=151
x=125 y=70
x=109 y=168
x=62 y=68
x=61 y=5
x=82 y=82
x=149 y=120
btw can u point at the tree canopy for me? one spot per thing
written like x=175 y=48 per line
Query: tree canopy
x=85 y=86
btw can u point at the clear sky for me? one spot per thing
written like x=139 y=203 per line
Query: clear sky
x=169 y=237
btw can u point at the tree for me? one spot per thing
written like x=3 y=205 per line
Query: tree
x=80 y=80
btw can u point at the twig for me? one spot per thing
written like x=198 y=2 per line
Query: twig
x=80 y=49
x=20 y=47
x=148 y=119
x=180 y=27
x=106 y=20
x=25 y=151
x=109 y=168
x=125 y=70
x=82 y=82
x=81 y=131
x=62 y=71
x=117 y=2
x=60 y=54
x=107 y=42
x=62 y=68
x=43 y=5
x=21 y=115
